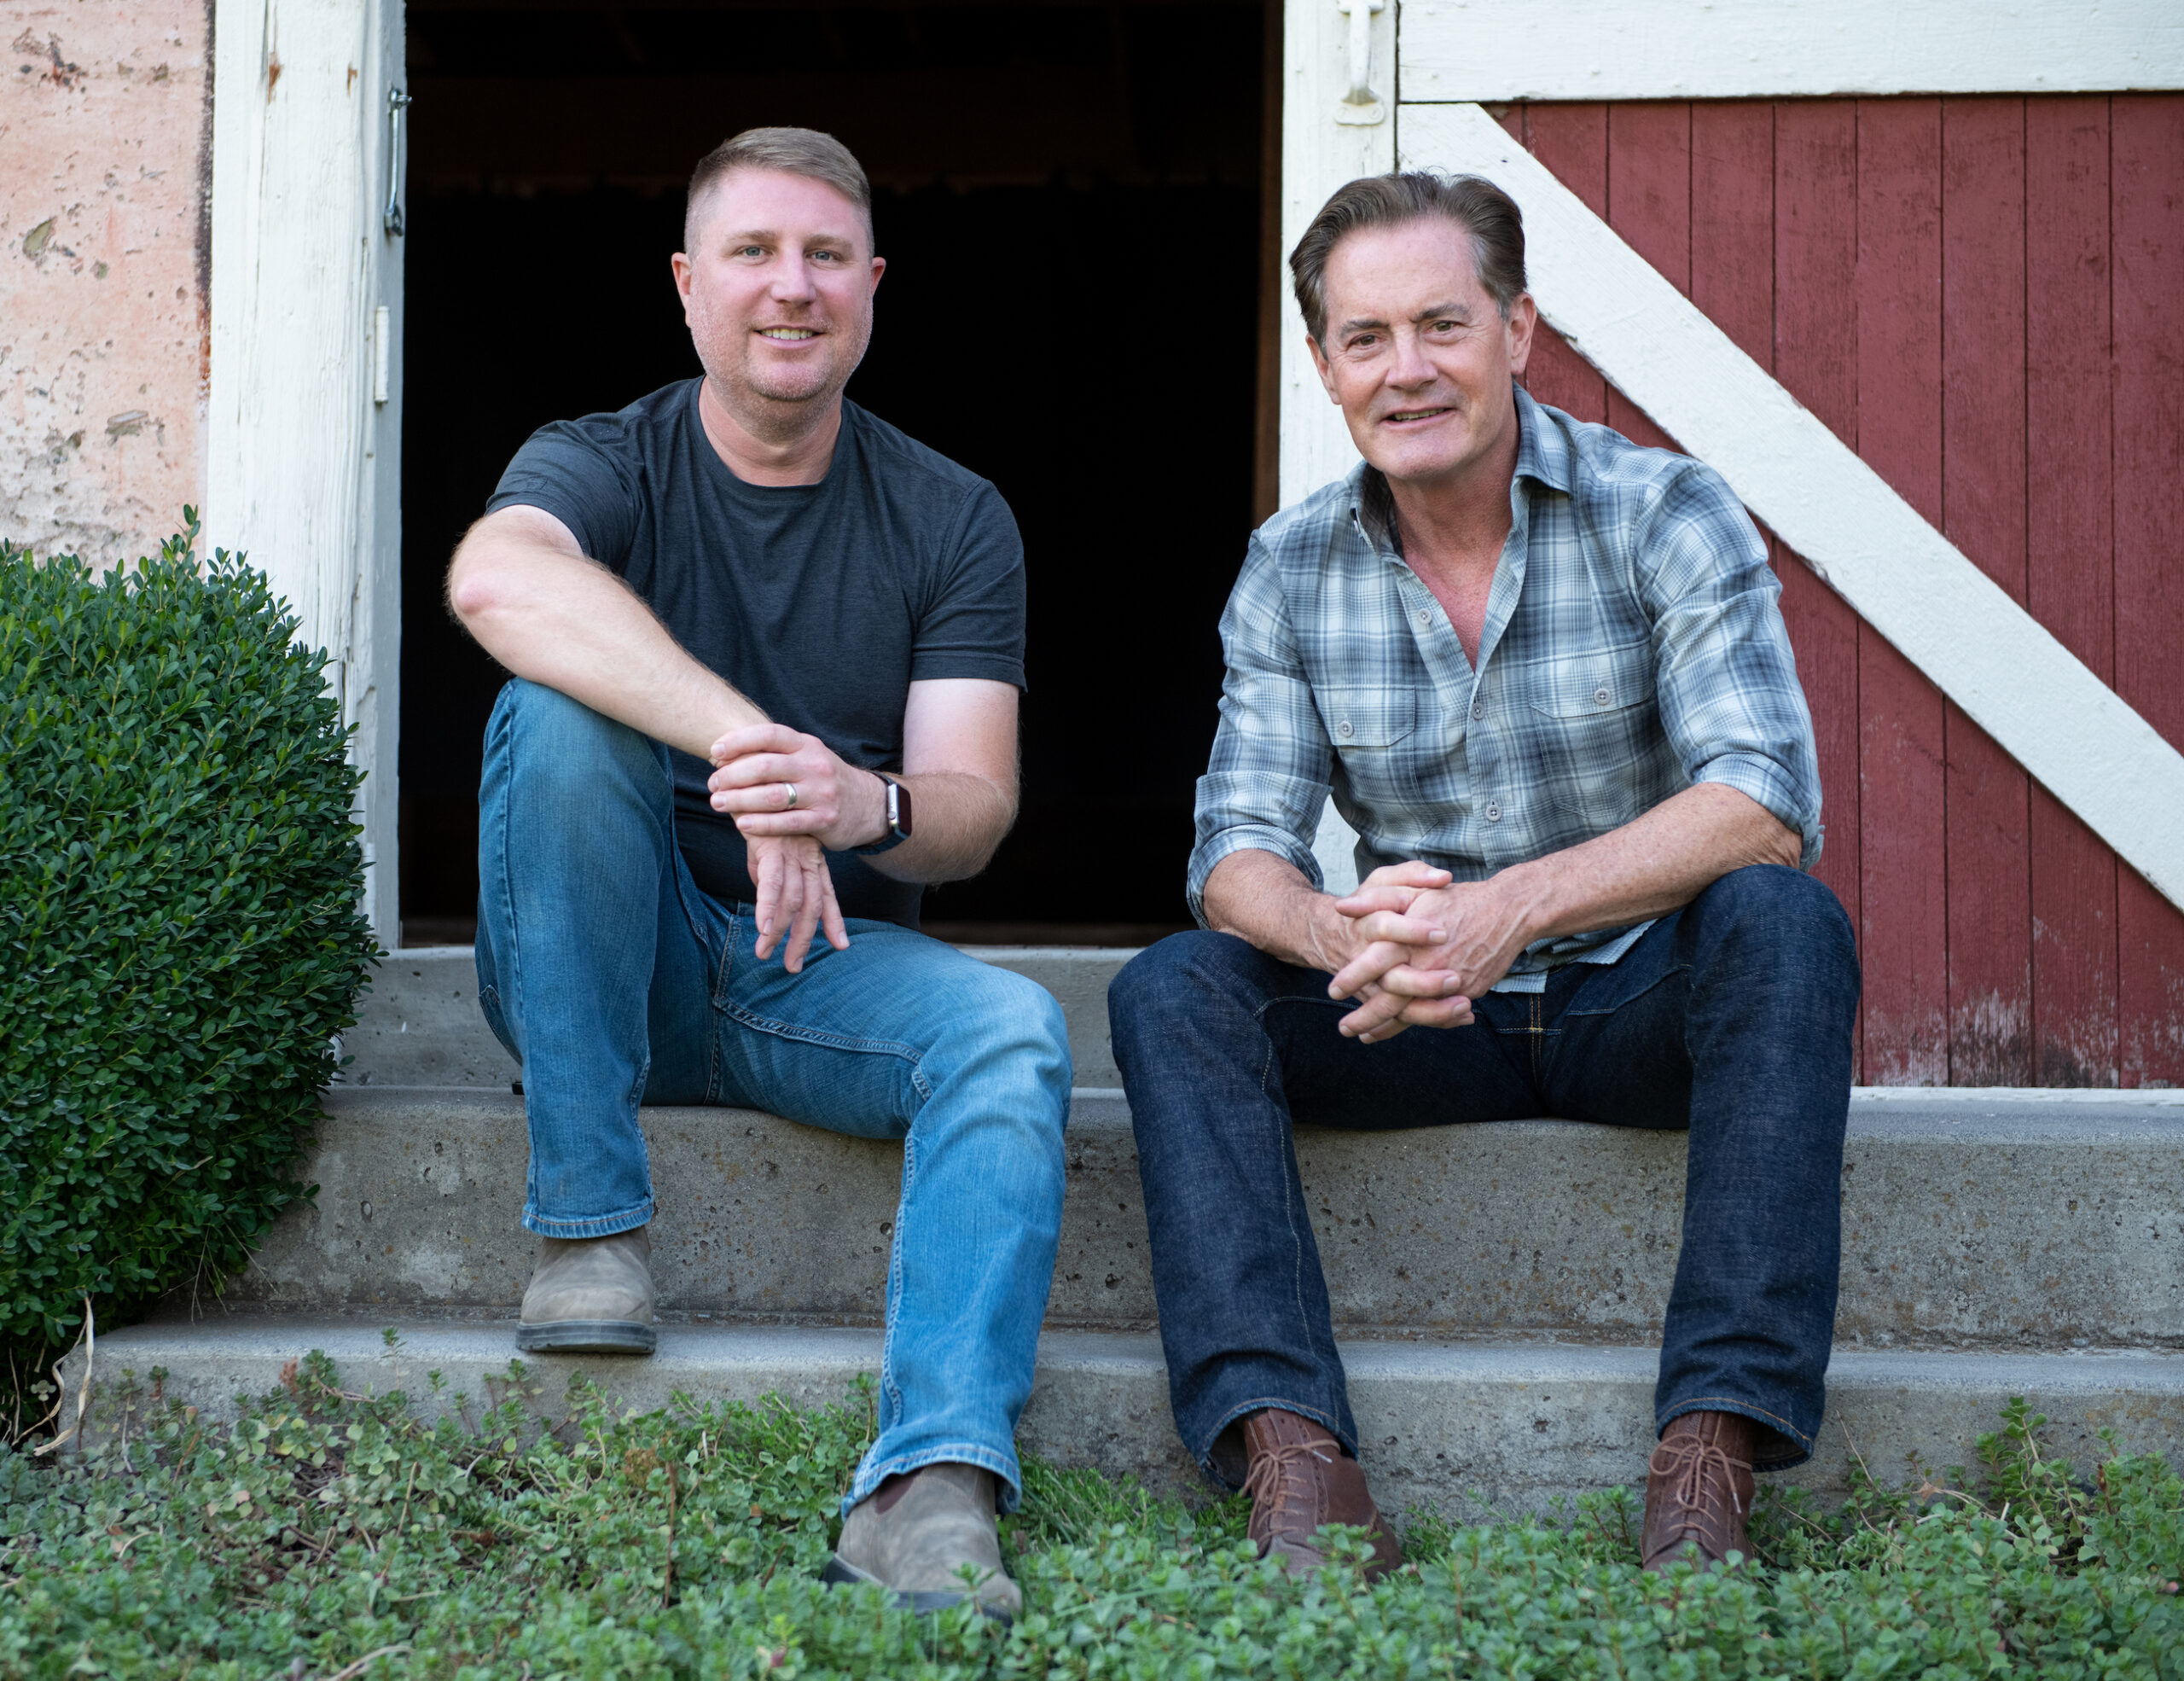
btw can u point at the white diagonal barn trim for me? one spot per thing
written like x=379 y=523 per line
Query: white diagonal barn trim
x=1983 y=650
x=1509 y=50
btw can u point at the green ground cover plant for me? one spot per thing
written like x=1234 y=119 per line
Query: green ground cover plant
x=180 y=935
x=329 y=1535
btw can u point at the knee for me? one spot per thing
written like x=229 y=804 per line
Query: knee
x=1773 y=910
x=1013 y=1019
x=1183 y=970
x=546 y=736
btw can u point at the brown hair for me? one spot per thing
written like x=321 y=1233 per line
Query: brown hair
x=791 y=151
x=1474 y=203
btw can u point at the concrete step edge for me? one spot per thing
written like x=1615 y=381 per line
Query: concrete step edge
x=2026 y=1227
x=2002 y=1115
x=452 y=1038
x=1461 y=1427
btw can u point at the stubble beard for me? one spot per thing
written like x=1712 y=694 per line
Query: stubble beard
x=789 y=405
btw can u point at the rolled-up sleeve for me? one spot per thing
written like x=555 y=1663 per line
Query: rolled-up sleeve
x=1267 y=781
x=1725 y=677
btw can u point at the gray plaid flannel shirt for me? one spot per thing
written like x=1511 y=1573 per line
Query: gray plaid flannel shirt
x=1632 y=648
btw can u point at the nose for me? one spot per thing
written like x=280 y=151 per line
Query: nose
x=793 y=280
x=1410 y=368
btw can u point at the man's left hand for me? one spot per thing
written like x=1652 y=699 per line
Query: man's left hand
x=838 y=804
x=1485 y=927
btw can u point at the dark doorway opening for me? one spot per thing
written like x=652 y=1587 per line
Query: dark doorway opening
x=1070 y=200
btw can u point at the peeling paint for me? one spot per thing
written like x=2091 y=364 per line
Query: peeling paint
x=102 y=300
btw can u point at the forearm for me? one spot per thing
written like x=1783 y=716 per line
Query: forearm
x=1267 y=900
x=1655 y=863
x=957 y=820
x=568 y=622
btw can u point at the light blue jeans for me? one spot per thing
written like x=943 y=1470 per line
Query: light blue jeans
x=614 y=981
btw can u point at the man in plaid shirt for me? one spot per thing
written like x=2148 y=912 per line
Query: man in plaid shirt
x=1542 y=673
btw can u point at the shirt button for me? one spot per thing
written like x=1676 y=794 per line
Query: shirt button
x=1494 y=814
x=1599 y=697
x=1344 y=730
x=1424 y=617
x=1478 y=709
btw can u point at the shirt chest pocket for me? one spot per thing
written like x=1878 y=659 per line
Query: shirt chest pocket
x=1371 y=730
x=1593 y=719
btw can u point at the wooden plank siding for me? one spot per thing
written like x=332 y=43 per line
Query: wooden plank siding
x=2146 y=236
x=1980 y=295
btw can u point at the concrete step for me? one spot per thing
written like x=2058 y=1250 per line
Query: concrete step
x=1970 y=1219
x=1464 y=1427
x=419 y=1024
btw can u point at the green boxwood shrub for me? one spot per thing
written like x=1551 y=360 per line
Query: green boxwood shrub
x=181 y=935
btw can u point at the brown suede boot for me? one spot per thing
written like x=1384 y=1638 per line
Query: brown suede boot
x=1299 y=1478
x=1699 y=1491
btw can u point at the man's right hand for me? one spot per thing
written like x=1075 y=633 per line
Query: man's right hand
x=1481 y=927
x=796 y=897
x=1379 y=941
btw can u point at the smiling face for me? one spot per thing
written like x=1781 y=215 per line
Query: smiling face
x=777 y=292
x=1417 y=354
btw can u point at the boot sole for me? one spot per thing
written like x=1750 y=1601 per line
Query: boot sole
x=587 y=1336
x=837 y=1575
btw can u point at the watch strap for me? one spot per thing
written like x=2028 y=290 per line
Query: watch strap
x=898 y=819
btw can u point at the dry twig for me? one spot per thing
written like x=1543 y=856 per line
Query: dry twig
x=89 y=1341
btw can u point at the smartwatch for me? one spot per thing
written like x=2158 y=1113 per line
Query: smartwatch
x=899 y=818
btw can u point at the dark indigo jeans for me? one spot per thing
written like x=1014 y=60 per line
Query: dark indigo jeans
x=1731 y=1018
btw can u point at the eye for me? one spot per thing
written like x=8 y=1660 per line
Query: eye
x=750 y=250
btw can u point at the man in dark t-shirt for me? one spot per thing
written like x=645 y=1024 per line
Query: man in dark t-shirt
x=767 y=652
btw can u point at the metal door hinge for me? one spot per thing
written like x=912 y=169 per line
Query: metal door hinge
x=1359 y=107
x=397 y=103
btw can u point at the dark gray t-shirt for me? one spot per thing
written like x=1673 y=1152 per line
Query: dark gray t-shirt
x=822 y=602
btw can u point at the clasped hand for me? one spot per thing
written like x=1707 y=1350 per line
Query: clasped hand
x=1416 y=947
x=787 y=833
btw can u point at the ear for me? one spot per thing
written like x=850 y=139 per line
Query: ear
x=685 y=272
x=879 y=268
x=1326 y=372
x=1524 y=318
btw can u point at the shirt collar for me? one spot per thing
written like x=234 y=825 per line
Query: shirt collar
x=1542 y=457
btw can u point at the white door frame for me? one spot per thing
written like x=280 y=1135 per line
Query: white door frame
x=304 y=423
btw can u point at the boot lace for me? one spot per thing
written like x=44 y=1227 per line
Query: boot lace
x=1698 y=1470
x=1270 y=1469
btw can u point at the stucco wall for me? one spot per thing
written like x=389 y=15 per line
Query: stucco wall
x=103 y=325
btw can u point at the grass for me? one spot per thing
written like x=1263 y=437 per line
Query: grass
x=330 y=1536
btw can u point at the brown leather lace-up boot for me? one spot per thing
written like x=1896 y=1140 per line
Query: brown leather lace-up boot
x=1299 y=1478
x=1698 y=1490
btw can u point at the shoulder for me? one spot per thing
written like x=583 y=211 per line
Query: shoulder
x=1307 y=566
x=1299 y=536
x=1609 y=476
x=634 y=430
x=1638 y=498
x=906 y=471
x=624 y=447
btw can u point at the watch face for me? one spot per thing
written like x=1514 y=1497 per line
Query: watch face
x=898 y=809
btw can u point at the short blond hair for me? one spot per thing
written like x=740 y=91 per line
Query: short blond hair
x=791 y=151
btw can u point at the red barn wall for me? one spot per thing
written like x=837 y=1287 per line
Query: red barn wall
x=1984 y=298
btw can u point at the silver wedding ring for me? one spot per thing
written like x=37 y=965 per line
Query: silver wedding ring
x=790 y=786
